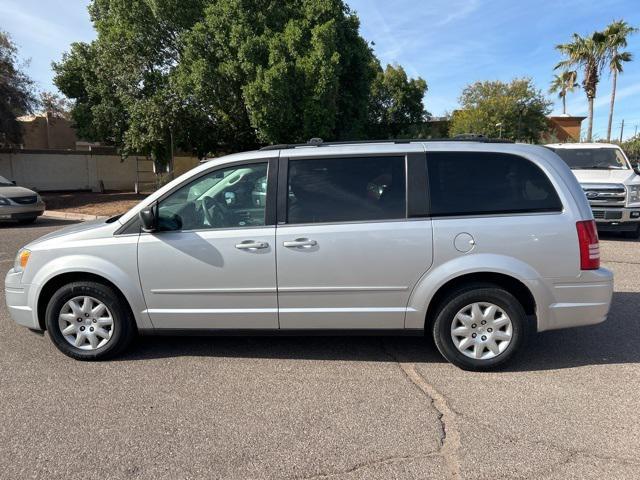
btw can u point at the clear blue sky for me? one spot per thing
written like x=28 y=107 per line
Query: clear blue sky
x=449 y=43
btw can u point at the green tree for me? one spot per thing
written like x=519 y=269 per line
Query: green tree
x=218 y=75
x=616 y=34
x=17 y=94
x=631 y=147
x=562 y=84
x=272 y=71
x=588 y=53
x=121 y=81
x=516 y=109
x=396 y=103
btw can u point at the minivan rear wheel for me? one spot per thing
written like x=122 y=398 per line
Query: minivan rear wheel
x=89 y=321
x=480 y=327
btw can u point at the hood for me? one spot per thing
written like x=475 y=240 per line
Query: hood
x=11 y=192
x=70 y=230
x=606 y=176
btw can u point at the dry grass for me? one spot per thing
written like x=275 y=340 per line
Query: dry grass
x=104 y=204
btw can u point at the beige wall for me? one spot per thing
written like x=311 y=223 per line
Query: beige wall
x=47 y=132
x=48 y=171
x=183 y=164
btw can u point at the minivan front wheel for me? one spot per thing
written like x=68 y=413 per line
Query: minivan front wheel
x=479 y=328
x=88 y=321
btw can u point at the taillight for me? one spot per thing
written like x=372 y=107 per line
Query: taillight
x=589 y=245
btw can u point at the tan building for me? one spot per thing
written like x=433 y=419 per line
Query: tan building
x=47 y=132
x=563 y=128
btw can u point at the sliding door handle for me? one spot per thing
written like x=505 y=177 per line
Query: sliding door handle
x=300 y=243
x=251 y=245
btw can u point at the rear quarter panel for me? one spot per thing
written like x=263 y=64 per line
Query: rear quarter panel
x=538 y=249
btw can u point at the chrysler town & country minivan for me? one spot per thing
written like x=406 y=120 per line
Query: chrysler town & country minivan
x=476 y=243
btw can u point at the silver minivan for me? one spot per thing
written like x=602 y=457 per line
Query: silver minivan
x=474 y=242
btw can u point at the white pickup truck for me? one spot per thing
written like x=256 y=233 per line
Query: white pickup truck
x=610 y=182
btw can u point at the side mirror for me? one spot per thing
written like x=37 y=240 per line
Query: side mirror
x=14 y=182
x=636 y=168
x=149 y=218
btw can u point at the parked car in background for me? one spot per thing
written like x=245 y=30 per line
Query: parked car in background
x=475 y=243
x=19 y=203
x=610 y=182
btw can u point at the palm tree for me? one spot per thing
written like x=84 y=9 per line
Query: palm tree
x=616 y=33
x=589 y=53
x=563 y=84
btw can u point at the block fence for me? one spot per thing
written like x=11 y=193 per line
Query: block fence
x=50 y=170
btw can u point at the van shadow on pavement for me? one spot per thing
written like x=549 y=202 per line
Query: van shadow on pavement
x=615 y=341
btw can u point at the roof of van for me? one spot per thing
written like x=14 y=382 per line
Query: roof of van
x=318 y=142
x=582 y=145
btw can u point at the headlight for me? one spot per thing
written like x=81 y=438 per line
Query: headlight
x=4 y=201
x=634 y=193
x=21 y=260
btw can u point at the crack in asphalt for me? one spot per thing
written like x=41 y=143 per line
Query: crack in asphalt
x=569 y=453
x=384 y=461
x=449 y=433
x=620 y=262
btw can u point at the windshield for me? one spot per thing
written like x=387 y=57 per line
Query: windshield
x=5 y=183
x=593 y=158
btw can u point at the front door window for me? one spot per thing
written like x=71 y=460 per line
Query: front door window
x=233 y=197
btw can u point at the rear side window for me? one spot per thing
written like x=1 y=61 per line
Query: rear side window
x=346 y=189
x=475 y=183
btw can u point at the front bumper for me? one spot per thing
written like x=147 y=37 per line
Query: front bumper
x=620 y=219
x=17 y=299
x=579 y=303
x=21 y=212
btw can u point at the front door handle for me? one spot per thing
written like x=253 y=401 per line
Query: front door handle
x=300 y=243
x=251 y=245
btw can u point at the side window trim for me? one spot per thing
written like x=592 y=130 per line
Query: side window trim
x=283 y=185
x=417 y=186
x=283 y=191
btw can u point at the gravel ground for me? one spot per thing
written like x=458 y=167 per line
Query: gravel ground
x=90 y=203
x=341 y=408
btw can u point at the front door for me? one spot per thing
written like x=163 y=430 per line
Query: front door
x=347 y=255
x=211 y=264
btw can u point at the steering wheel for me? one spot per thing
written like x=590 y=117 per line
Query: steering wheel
x=215 y=212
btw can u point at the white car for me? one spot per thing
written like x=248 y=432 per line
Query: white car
x=19 y=203
x=610 y=182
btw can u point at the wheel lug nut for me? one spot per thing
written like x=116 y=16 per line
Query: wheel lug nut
x=91 y=329
x=489 y=330
x=484 y=337
x=79 y=319
x=82 y=329
x=474 y=335
x=86 y=314
x=474 y=325
x=94 y=320
x=483 y=322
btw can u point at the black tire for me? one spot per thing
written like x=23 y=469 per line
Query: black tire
x=123 y=325
x=456 y=301
x=27 y=221
x=633 y=233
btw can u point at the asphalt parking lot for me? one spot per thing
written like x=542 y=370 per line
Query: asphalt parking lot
x=316 y=408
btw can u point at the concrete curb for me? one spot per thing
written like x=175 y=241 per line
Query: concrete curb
x=71 y=215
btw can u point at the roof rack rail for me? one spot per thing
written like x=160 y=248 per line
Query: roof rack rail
x=318 y=142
